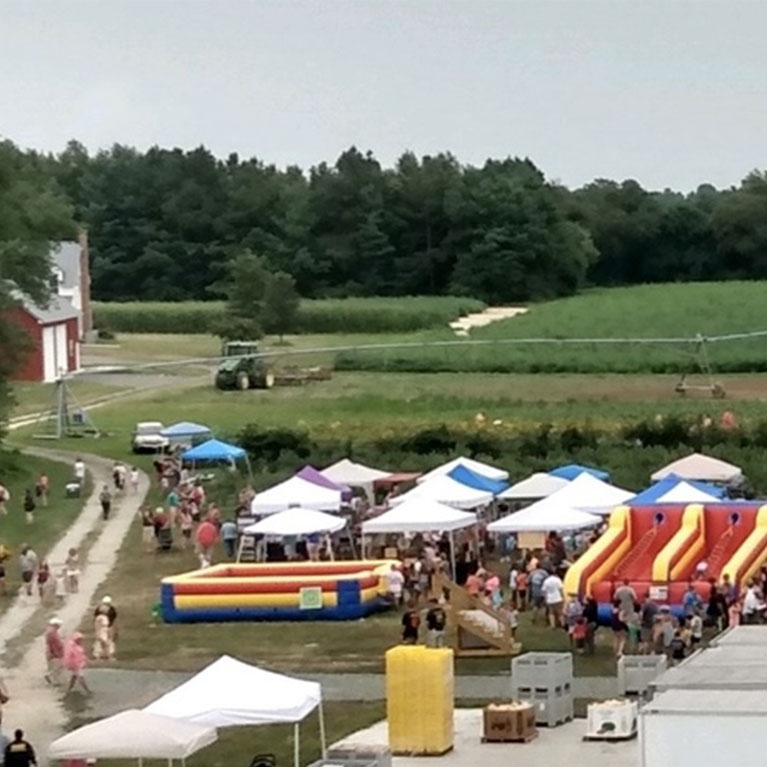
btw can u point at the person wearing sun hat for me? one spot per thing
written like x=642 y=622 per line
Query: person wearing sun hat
x=54 y=651
x=107 y=608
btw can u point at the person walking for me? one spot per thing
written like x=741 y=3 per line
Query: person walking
x=5 y=496
x=42 y=487
x=134 y=475
x=436 y=620
x=107 y=609
x=229 y=535
x=80 y=471
x=106 y=502
x=28 y=565
x=103 y=646
x=19 y=752
x=54 y=651
x=29 y=506
x=75 y=662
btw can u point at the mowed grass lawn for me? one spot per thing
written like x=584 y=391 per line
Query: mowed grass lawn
x=145 y=642
x=19 y=472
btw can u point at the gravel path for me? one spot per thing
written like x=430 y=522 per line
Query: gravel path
x=117 y=689
x=34 y=706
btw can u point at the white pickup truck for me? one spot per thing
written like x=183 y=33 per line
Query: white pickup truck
x=147 y=437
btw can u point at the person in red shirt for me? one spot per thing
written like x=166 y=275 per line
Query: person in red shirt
x=207 y=535
x=54 y=651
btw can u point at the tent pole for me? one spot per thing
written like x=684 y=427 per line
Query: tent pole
x=296 y=745
x=323 y=742
x=330 y=548
x=240 y=546
x=452 y=554
x=250 y=471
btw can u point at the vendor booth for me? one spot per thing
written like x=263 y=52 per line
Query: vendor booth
x=543 y=517
x=588 y=493
x=420 y=516
x=661 y=491
x=134 y=734
x=478 y=481
x=186 y=432
x=533 y=488
x=296 y=492
x=703 y=468
x=571 y=471
x=355 y=475
x=294 y=523
x=230 y=693
x=216 y=451
x=485 y=469
x=443 y=489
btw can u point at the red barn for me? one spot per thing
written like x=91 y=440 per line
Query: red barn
x=54 y=333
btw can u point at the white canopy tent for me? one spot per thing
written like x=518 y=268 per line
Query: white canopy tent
x=420 y=516
x=544 y=516
x=296 y=492
x=684 y=492
x=491 y=472
x=587 y=493
x=230 y=693
x=134 y=734
x=536 y=486
x=443 y=489
x=294 y=522
x=701 y=467
x=351 y=474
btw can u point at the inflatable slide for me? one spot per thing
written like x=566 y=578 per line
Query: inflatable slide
x=663 y=548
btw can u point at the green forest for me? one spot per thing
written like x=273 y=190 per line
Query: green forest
x=163 y=225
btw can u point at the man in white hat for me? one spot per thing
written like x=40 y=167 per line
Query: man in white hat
x=54 y=651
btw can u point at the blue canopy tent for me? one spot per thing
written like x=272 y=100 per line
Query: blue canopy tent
x=477 y=481
x=652 y=493
x=185 y=430
x=214 y=451
x=572 y=470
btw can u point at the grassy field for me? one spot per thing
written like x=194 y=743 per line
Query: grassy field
x=355 y=647
x=365 y=405
x=35 y=397
x=645 y=311
x=332 y=315
x=19 y=473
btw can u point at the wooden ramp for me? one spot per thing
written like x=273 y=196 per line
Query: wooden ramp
x=478 y=630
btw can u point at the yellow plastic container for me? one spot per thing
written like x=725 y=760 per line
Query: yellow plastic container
x=419 y=699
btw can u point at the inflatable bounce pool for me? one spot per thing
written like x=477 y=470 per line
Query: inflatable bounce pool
x=276 y=591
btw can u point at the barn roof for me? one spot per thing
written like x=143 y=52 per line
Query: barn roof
x=58 y=309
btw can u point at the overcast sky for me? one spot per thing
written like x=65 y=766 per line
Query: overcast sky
x=671 y=93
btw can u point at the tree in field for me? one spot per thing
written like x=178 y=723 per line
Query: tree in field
x=245 y=288
x=281 y=302
x=33 y=213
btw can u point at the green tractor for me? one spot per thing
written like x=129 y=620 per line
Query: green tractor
x=243 y=368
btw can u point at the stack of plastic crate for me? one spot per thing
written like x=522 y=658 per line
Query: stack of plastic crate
x=545 y=680
x=637 y=672
x=419 y=700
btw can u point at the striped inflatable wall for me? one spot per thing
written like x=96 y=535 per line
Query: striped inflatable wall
x=284 y=591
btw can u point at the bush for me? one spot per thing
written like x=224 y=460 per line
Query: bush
x=332 y=315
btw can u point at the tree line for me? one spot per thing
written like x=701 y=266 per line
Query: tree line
x=167 y=225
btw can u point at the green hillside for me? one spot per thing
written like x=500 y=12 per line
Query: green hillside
x=641 y=312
